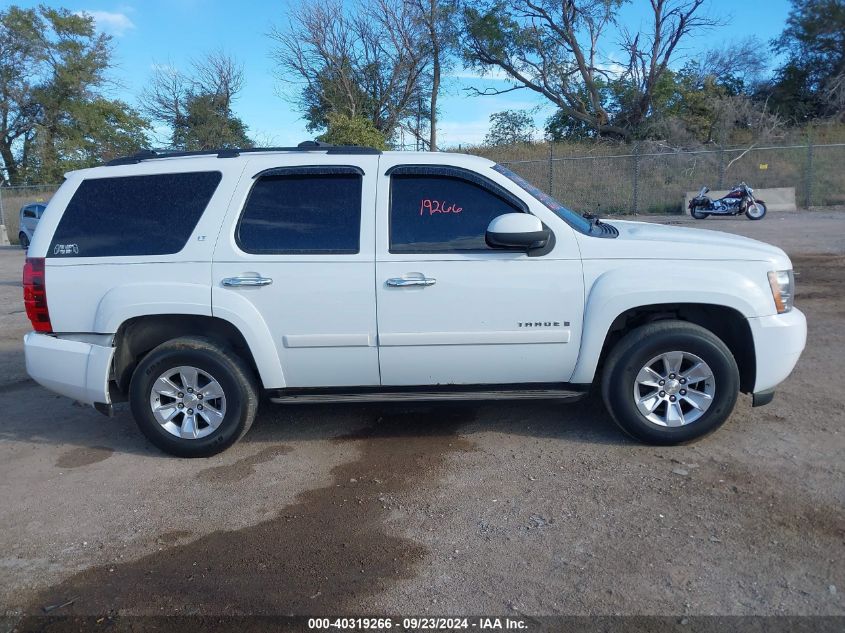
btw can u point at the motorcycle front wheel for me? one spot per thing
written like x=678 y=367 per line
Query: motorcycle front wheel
x=697 y=214
x=756 y=211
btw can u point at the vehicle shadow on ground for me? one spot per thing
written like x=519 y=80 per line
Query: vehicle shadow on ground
x=584 y=421
x=49 y=419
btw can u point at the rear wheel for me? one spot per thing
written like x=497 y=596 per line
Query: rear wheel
x=23 y=239
x=670 y=382
x=755 y=211
x=193 y=397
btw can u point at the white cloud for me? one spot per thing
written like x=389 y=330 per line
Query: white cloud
x=494 y=74
x=113 y=23
x=458 y=126
x=167 y=69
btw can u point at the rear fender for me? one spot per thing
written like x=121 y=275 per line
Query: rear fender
x=125 y=302
x=130 y=301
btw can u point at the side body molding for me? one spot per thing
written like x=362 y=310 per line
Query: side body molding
x=623 y=288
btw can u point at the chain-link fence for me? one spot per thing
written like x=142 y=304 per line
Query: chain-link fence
x=640 y=180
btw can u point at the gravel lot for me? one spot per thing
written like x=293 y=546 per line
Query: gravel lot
x=515 y=508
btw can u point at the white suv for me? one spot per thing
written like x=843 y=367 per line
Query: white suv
x=189 y=283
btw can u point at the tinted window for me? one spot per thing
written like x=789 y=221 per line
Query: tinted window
x=302 y=213
x=29 y=212
x=133 y=215
x=430 y=214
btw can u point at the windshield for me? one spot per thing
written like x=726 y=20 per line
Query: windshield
x=570 y=217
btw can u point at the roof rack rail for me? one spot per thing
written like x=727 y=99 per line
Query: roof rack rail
x=304 y=146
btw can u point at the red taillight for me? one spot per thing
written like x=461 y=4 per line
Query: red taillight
x=35 y=294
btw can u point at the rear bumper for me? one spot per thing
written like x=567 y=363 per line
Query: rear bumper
x=71 y=368
x=778 y=342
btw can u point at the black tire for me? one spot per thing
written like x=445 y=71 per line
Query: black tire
x=24 y=240
x=759 y=217
x=636 y=348
x=231 y=372
x=698 y=215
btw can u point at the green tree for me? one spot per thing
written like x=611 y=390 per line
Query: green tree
x=510 y=127
x=91 y=132
x=209 y=124
x=346 y=130
x=53 y=113
x=555 y=49
x=197 y=106
x=812 y=81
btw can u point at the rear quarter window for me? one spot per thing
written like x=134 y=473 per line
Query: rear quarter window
x=133 y=215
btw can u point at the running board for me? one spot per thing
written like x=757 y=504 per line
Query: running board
x=303 y=396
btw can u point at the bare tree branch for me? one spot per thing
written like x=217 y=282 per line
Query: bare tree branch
x=554 y=48
x=366 y=60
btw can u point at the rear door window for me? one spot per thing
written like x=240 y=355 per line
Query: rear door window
x=133 y=215
x=302 y=211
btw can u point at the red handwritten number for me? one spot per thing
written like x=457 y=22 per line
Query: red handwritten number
x=438 y=206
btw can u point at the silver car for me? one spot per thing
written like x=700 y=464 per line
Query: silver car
x=30 y=215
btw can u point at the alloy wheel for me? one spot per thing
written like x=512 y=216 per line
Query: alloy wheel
x=674 y=389
x=188 y=402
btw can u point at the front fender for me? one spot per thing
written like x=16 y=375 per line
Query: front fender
x=651 y=283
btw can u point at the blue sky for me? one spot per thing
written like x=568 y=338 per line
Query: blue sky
x=150 y=32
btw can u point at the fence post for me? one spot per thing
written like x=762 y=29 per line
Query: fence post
x=721 y=183
x=809 y=199
x=4 y=230
x=636 y=178
x=551 y=168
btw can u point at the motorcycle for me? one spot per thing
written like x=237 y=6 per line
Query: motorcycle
x=738 y=200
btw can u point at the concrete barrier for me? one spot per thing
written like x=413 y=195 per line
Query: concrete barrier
x=776 y=199
x=4 y=238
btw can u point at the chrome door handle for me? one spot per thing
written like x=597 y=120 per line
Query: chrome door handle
x=247 y=281
x=413 y=281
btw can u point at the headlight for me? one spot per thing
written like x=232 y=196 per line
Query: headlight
x=783 y=289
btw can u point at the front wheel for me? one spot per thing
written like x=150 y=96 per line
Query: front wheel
x=697 y=214
x=755 y=211
x=670 y=382
x=23 y=238
x=193 y=397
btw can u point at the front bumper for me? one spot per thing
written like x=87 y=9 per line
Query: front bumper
x=71 y=368
x=778 y=342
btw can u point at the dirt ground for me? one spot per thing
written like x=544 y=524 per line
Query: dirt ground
x=516 y=508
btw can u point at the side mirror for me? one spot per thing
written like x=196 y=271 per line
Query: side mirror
x=520 y=231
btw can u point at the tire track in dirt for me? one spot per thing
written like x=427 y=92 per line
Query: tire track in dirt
x=323 y=554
